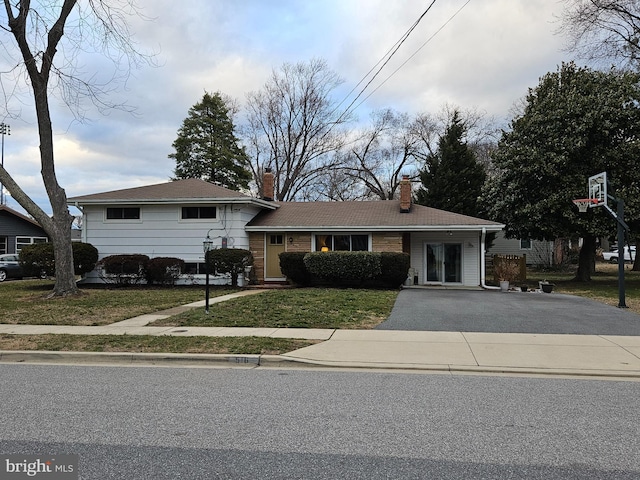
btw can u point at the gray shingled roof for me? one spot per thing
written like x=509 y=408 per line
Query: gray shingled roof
x=178 y=190
x=378 y=214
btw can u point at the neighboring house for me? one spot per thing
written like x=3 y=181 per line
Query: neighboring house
x=18 y=230
x=538 y=252
x=172 y=219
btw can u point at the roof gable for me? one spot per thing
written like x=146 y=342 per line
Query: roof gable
x=192 y=189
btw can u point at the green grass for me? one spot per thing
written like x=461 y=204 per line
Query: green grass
x=301 y=308
x=23 y=302
x=602 y=288
x=149 y=344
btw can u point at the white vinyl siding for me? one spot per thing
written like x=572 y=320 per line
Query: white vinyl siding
x=470 y=242
x=161 y=232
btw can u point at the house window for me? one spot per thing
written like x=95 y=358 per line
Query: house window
x=342 y=242
x=123 y=213
x=3 y=245
x=22 y=242
x=198 y=212
x=193 y=268
x=525 y=244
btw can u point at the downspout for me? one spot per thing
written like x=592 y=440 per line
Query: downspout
x=482 y=262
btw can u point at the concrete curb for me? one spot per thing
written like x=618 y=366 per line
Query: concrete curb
x=275 y=361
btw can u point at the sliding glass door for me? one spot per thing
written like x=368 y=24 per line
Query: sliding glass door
x=443 y=263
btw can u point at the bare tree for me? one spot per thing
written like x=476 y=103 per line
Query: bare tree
x=293 y=127
x=603 y=30
x=37 y=33
x=382 y=153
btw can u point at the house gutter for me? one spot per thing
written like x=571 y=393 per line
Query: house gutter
x=483 y=236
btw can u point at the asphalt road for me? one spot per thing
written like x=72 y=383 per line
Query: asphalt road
x=512 y=312
x=168 y=423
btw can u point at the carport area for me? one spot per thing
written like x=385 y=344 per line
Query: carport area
x=426 y=309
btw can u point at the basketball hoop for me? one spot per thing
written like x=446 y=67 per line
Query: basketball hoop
x=583 y=204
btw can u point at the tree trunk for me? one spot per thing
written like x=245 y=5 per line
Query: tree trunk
x=586 y=259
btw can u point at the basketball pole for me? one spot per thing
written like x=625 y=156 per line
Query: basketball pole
x=622 y=227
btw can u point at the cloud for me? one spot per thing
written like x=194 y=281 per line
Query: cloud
x=485 y=57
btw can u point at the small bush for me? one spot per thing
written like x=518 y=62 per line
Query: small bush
x=85 y=257
x=38 y=259
x=394 y=269
x=163 y=270
x=124 y=269
x=344 y=268
x=229 y=261
x=292 y=267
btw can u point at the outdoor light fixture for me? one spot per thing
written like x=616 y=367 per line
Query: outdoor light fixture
x=290 y=239
x=207 y=245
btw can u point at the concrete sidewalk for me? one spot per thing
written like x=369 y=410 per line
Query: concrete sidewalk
x=454 y=352
x=517 y=353
x=589 y=355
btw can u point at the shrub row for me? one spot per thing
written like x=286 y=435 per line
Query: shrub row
x=127 y=269
x=133 y=268
x=349 y=269
x=38 y=259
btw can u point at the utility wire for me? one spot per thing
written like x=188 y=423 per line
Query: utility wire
x=413 y=55
x=394 y=48
x=388 y=56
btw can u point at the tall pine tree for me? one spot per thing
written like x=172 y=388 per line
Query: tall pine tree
x=207 y=147
x=452 y=178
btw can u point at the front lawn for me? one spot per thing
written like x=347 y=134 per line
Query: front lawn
x=602 y=288
x=23 y=302
x=302 y=308
x=149 y=344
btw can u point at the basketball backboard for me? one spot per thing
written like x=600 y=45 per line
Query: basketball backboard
x=598 y=189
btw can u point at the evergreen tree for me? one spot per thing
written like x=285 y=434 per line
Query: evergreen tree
x=207 y=147
x=452 y=178
x=576 y=123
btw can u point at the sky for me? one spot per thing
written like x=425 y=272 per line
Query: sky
x=474 y=54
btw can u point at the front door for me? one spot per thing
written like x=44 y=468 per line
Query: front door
x=275 y=246
x=443 y=263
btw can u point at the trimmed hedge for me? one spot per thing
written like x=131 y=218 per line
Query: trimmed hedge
x=38 y=258
x=229 y=261
x=124 y=269
x=163 y=270
x=292 y=267
x=133 y=264
x=350 y=269
x=344 y=268
x=395 y=268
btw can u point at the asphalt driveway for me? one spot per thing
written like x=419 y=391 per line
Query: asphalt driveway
x=512 y=312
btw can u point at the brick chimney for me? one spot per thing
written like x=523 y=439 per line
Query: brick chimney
x=405 y=194
x=267 y=185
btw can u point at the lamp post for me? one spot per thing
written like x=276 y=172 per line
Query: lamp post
x=207 y=245
x=4 y=130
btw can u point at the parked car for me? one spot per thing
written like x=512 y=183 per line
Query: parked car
x=10 y=267
x=629 y=255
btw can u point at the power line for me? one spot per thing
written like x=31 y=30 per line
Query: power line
x=388 y=56
x=413 y=55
